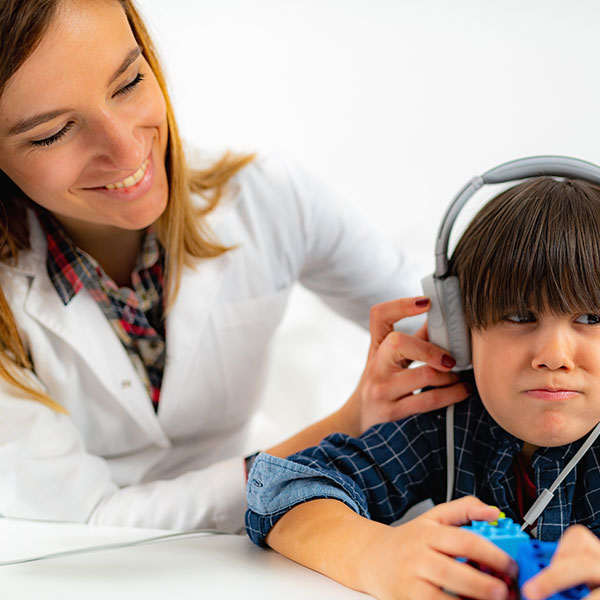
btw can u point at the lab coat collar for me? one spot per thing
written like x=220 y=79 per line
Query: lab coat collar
x=103 y=352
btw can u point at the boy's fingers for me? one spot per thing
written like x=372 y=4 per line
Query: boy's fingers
x=575 y=562
x=462 y=512
x=425 y=590
x=578 y=539
x=384 y=315
x=460 y=578
x=454 y=541
x=562 y=575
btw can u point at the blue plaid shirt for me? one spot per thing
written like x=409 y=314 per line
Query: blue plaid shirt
x=393 y=466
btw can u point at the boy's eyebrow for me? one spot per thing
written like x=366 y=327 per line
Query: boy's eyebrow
x=31 y=122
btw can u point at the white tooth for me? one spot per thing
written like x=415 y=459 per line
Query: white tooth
x=131 y=180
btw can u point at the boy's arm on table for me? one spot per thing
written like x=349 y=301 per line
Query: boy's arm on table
x=576 y=561
x=412 y=560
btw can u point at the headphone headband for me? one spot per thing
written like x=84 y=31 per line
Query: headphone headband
x=523 y=168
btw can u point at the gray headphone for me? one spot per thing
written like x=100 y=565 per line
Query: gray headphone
x=445 y=319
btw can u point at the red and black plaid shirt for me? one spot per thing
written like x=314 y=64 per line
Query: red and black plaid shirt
x=136 y=313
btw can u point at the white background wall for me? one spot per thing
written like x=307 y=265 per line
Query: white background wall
x=394 y=102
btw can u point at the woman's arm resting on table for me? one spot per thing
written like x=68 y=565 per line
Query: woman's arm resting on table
x=575 y=562
x=414 y=560
x=386 y=389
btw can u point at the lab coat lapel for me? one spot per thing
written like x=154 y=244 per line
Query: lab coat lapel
x=83 y=326
x=197 y=294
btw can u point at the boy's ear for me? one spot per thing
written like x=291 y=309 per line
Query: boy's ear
x=446 y=325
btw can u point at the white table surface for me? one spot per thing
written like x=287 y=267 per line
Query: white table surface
x=199 y=567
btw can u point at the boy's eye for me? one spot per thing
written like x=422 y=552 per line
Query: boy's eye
x=588 y=319
x=520 y=318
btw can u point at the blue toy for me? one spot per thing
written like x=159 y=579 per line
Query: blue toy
x=531 y=555
x=504 y=532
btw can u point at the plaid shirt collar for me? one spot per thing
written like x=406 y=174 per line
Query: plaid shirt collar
x=71 y=269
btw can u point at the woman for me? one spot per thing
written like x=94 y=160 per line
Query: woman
x=139 y=297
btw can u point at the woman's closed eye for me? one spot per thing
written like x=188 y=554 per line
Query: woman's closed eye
x=53 y=138
x=131 y=85
x=48 y=141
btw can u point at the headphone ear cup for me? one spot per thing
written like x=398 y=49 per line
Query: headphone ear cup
x=459 y=342
x=437 y=331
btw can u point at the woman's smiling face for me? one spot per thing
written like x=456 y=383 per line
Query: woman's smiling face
x=83 y=123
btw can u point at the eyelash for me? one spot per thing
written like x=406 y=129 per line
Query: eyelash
x=57 y=136
x=530 y=318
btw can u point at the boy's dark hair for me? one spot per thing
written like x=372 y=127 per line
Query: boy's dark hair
x=534 y=247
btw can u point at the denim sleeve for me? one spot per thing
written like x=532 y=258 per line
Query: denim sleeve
x=275 y=485
x=379 y=475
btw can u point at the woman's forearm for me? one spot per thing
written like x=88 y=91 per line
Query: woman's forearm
x=341 y=421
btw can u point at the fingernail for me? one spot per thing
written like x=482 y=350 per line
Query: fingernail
x=448 y=361
x=422 y=302
x=513 y=570
x=469 y=389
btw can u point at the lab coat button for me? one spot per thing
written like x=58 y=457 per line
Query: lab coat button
x=126 y=383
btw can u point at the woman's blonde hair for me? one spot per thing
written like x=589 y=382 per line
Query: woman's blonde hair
x=181 y=228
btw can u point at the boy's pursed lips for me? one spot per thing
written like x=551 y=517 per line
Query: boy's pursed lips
x=552 y=393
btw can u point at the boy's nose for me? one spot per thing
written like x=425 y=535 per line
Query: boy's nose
x=553 y=350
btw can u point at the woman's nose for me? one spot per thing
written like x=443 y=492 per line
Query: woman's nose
x=121 y=144
x=554 y=349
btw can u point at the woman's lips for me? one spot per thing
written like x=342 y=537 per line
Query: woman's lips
x=140 y=186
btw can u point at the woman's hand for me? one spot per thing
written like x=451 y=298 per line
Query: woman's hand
x=576 y=561
x=387 y=388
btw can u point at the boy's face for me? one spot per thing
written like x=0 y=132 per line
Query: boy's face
x=538 y=375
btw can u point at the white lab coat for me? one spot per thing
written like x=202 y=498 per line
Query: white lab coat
x=112 y=460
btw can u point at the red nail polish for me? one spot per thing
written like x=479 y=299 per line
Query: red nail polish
x=422 y=302
x=448 y=361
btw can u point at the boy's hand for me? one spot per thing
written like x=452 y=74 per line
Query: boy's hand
x=386 y=389
x=417 y=560
x=576 y=561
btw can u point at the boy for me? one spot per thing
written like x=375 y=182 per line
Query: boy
x=529 y=273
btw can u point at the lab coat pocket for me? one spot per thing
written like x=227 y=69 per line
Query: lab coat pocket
x=244 y=331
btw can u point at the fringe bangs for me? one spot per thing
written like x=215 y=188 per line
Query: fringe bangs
x=535 y=247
